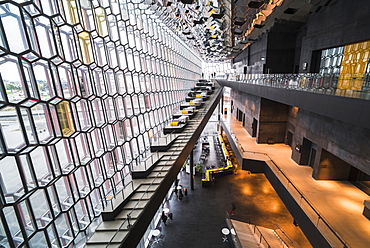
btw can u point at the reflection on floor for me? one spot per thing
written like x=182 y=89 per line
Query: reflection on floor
x=339 y=202
x=200 y=216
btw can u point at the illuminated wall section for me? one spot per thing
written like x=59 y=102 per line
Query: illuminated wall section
x=354 y=65
x=84 y=85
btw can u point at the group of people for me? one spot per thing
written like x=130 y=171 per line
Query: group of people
x=179 y=192
x=165 y=217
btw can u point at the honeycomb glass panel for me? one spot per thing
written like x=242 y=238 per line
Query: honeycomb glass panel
x=99 y=83
x=70 y=11
x=83 y=117
x=87 y=15
x=25 y=217
x=354 y=66
x=128 y=105
x=100 y=51
x=41 y=210
x=82 y=215
x=99 y=115
x=119 y=132
x=4 y=240
x=86 y=49
x=11 y=220
x=53 y=198
x=68 y=43
x=12 y=134
x=65 y=160
x=63 y=228
x=11 y=77
x=82 y=181
x=97 y=141
x=38 y=240
x=101 y=21
x=127 y=128
x=11 y=182
x=65 y=118
x=42 y=168
x=67 y=64
x=45 y=36
x=14 y=29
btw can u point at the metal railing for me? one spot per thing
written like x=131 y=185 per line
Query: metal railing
x=333 y=237
x=330 y=84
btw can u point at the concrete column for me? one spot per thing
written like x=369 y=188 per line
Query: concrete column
x=191 y=169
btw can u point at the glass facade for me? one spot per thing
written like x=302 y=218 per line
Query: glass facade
x=84 y=86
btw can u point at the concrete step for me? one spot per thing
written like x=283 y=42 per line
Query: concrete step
x=133 y=213
x=101 y=246
x=166 y=163
x=162 y=168
x=114 y=225
x=147 y=188
x=142 y=195
x=157 y=174
x=107 y=236
x=136 y=204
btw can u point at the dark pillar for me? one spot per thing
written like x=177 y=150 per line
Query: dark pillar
x=191 y=169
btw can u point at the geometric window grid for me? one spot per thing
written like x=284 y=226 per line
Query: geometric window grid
x=84 y=86
x=331 y=60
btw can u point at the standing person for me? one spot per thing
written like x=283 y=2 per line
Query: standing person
x=232 y=211
x=164 y=218
x=185 y=191
x=180 y=195
x=170 y=215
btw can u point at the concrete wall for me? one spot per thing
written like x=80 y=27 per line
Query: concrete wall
x=343 y=131
x=342 y=22
x=332 y=167
x=292 y=43
x=249 y=105
x=348 y=142
x=272 y=122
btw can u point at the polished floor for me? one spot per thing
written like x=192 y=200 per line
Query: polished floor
x=340 y=203
x=199 y=217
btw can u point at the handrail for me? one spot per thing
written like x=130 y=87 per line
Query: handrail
x=320 y=216
x=323 y=83
x=287 y=236
x=261 y=235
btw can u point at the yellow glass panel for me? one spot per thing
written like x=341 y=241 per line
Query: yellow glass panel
x=70 y=10
x=65 y=118
x=101 y=22
x=212 y=11
x=354 y=65
x=86 y=49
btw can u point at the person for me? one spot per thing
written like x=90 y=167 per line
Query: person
x=185 y=191
x=170 y=215
x=232 y=211
x=180 y=195
x=164 y=218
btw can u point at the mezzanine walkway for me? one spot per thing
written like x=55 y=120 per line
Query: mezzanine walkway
x=340 y=203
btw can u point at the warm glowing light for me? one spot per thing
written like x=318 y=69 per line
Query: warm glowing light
x=351 y=205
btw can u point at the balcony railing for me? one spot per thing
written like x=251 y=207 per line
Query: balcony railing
x=331 y=84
